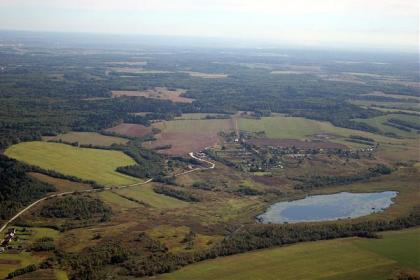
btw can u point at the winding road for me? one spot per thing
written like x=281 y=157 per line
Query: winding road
x=212 y=165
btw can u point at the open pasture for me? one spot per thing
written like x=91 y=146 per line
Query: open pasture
x=87 y=138
x=130 y=130
x=156 y=93
x=279 y=127
x=88 y=164
x=351 y=258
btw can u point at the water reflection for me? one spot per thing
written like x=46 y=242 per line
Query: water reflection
x=328 y=207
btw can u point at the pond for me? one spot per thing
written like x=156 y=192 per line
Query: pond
x=330 y=207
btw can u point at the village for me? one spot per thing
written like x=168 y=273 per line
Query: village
x=253 y=152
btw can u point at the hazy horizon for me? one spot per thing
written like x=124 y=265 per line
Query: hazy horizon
x=385 y=24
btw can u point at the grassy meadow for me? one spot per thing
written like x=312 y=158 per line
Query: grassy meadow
x=146 y=195
x=279 y=127
x=87 y=138
x=89 y=164
x=378 y=122
x=340 y=259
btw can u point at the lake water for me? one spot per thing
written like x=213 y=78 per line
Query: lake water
x=327 y=207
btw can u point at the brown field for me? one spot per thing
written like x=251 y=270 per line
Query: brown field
x=131 y=130
x=157 y=93
x=288 y=143
x=10 y=262
x=182 y=143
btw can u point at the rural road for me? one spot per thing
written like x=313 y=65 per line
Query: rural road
x=212 y=165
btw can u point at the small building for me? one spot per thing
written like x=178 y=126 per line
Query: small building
x=8 y=238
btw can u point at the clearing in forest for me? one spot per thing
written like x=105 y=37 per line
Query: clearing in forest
x=205 y=75
x=131 y=130
x=84 y=163
x=174 y=95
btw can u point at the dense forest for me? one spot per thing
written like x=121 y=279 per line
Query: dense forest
x=17 y=189
x=71 y=92
x=76 y=207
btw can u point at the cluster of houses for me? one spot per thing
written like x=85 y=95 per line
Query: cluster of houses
x=7 y=239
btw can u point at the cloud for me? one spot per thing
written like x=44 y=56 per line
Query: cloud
x=280 y=7
x=386 y=22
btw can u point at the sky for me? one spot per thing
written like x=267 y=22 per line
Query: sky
x=384 y=24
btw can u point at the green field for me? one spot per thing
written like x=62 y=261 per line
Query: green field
x=195 y=126
x=298 y=128
x=22 y=259
x=378 y=122
x=11 y=261
x=341 y=259
x=147 y=195
x=89 y=164
x=281 y=127
x=87 y=138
